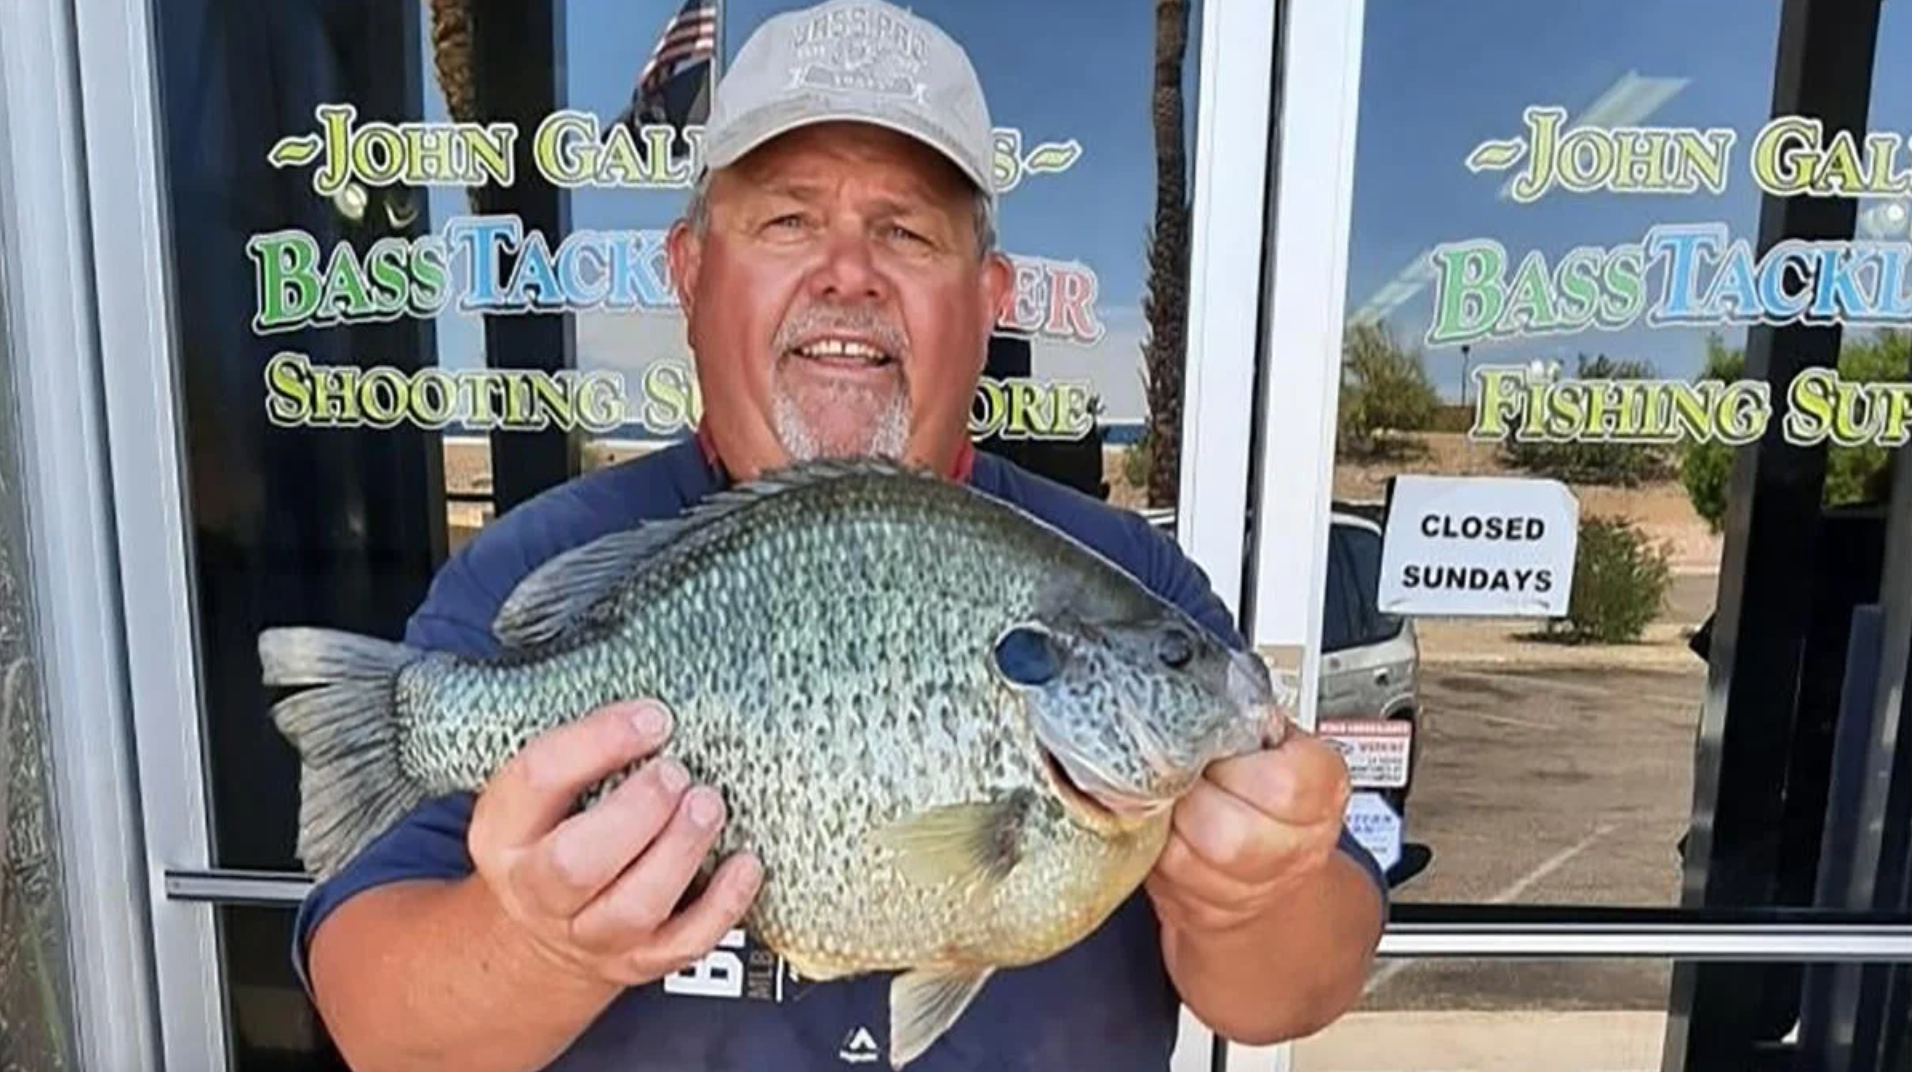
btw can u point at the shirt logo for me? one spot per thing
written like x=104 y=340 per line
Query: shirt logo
x=859 y=1047
x=737 y=969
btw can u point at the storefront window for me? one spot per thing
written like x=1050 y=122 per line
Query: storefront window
x=1552 y=288
x=357 y=406
x=36 y=1017
x=1624 y=364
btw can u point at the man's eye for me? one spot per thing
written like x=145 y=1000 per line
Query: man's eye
x=905 y=234
x=788 y=220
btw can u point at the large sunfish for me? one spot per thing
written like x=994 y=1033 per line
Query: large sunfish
x=952 y=733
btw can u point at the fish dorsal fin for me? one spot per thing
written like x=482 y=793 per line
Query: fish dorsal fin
x=566 y=592
x=562 y=594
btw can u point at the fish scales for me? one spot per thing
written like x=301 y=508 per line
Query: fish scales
x=910 y=696
x=837 y=732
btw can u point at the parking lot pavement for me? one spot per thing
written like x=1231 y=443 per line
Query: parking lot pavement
x=1555 y=786
x=1690 y=597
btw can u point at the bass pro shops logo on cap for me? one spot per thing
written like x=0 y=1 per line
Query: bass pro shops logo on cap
x=860 y=49
x=859 y=60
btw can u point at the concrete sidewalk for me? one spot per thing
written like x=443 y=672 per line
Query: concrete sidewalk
x=1471 y=1042
x=1486 y=1042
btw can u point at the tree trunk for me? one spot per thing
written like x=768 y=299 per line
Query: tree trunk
x=1165 y=308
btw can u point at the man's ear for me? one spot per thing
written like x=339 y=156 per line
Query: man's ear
x=684 y=251
x=999 y=278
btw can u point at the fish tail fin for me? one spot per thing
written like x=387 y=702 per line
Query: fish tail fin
x=352 y=786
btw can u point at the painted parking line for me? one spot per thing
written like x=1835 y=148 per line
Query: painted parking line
x=1505 y=895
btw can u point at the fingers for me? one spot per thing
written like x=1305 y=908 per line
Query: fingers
x=703 y=923
x=539 y=785
x=1194 y=882
x=1305 y=781
x=1226 y=832
x=600 y=890
x=589 y=850
x=643 y=897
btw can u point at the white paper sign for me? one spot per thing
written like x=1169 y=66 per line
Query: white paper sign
x=1498 y=547
x=1376 y=827
x=1375 y=749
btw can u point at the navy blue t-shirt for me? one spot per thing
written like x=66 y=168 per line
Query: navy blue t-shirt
x=1106 y=1004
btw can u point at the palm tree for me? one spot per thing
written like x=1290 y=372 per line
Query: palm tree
x=1165 y=307
x=452 y=59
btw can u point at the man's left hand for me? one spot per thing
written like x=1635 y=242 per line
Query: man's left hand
x=1253 y=828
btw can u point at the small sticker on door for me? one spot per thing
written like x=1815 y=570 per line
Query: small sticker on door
x=1375 y=750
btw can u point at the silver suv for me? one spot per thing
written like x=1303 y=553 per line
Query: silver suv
x=1370 y=661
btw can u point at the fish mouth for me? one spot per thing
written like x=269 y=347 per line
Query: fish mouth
x=1094 y=796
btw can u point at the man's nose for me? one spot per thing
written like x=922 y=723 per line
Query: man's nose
x=848 y=271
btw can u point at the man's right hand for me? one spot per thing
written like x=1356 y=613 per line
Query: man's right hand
x=597 y=892
x=501 y=970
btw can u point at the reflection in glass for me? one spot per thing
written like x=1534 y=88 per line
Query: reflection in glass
x=1554 y=757
x=271 y=1027
x=297 y=520
x=288 y=521
x=36 y=1032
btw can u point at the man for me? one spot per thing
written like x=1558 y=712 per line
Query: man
x=839 y=284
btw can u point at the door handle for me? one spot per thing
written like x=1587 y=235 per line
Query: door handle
x=1381 y=677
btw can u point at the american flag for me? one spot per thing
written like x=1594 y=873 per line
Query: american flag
x=689 y=38
x=674 y=86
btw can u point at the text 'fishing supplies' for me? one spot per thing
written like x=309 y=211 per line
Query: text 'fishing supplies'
x=952 y=734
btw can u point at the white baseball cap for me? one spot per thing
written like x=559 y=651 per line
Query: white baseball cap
x=865 y=61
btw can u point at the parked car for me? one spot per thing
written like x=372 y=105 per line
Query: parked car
x=1370 y=661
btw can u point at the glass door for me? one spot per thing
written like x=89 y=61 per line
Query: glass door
x=1593 y=317
x=311 y=417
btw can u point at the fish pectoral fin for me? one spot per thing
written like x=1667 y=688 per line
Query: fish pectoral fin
x=976 y=844
x=926 y=1003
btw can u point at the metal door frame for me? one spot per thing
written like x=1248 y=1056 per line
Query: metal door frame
x=60 y=350
x=134 y=278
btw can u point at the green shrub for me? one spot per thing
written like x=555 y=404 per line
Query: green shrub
x=1619 y=585
x=1384 y=391
x=1625 y=465
x=1851 y=472
x=1136 y=462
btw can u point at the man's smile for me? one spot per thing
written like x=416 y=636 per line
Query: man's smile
x=843 y=353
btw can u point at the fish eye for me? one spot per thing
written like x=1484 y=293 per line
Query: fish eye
x=1175 y=649
x=1027 y=656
